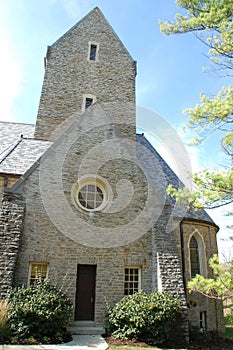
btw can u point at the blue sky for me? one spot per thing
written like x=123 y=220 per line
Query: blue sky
x=169 y=68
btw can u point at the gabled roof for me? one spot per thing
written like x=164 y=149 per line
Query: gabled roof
x=96 y=15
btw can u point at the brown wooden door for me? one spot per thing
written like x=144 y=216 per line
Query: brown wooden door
x=85 y=292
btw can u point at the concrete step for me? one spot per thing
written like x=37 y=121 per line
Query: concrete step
x=85 y=327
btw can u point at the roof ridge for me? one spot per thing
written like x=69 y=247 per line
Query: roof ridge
x=18 y=123
x=34 y=139
x=12 y=148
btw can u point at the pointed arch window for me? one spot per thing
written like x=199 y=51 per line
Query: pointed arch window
x=194 y=257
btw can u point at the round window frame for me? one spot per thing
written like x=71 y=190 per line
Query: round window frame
x=97 y=181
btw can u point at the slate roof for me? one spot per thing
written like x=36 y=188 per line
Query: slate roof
x=18 y=149
x=162 y=176
x=10 y=133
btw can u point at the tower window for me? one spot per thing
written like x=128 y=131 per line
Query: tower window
x=93 y=52
x=88 y=102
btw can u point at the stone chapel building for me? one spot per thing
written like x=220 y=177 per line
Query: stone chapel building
x=84 y=200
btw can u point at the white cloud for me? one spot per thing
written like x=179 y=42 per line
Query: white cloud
x=10 y=72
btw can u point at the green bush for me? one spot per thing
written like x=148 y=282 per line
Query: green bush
x=143 y=316
x=38 y=311
x=229 y=318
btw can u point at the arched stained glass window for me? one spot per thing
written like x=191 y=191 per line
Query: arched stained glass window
x=194 y=257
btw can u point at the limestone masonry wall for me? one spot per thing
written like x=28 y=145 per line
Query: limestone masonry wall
x=11 y=222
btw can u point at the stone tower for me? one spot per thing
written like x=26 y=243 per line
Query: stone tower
x=89 y=63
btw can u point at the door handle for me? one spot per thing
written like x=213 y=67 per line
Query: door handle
x=92 y=299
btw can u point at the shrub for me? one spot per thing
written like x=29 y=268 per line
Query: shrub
x=38 y=311
x=4 y=328
x=143 y=316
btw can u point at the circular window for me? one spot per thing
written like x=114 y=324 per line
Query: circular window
x=91 y=193
x=90 y=196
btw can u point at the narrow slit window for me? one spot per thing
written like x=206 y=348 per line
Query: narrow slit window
x=93 y=52
x=88 y=102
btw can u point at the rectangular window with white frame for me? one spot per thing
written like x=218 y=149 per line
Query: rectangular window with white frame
x=37 y=270
x=132 y=280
